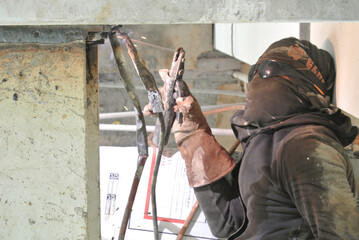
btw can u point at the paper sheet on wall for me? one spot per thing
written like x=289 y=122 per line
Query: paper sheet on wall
x=175 y=198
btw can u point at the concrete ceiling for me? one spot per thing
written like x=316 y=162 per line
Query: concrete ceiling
x=110 y=12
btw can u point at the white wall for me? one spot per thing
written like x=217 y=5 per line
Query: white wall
x=341 y=40
x=247 y=41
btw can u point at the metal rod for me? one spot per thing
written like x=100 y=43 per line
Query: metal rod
x=156 y=103
x=119 y=115
x=215 y=131
x=154 y=177
x=240 y=76
x=188 y=220
x=193 y=90
x=132 y=128
x=144 y=73
x=140 y=120
x=131 y=197
x=141 y=133
x=233 y=148
x=224 y=109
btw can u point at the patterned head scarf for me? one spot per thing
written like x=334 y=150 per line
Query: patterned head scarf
x=291 y=84
x=309 y=69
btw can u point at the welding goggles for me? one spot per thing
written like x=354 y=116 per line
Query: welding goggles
x=302 y=77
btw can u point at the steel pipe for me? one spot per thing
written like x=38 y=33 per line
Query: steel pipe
x=119 y=115
x=132 y=128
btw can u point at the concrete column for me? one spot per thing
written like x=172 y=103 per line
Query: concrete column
x=49 y=175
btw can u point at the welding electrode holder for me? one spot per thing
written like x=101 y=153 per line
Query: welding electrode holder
x=173 y=88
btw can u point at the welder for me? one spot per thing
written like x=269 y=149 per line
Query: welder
x=294 y=180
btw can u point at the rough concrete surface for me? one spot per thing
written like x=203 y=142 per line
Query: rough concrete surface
x=43 y=175
x=67 y=12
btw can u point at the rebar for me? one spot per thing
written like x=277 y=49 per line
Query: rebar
x=156 y=103
x=141 y=132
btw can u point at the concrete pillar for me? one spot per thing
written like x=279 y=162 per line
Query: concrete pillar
x=49 y=175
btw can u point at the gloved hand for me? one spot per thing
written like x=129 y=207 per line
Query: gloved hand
x=206 y=160
x=193 y=119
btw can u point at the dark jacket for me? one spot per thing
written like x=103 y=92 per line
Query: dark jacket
x=293 y=182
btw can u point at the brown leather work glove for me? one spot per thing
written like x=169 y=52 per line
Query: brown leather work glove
x=206 y=160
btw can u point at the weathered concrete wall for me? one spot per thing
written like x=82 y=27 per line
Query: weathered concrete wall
x=168 y=11
x=49 y=166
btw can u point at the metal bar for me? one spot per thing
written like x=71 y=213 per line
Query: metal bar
x=140 y=121
x=188 y=220
x=141 y=133
x=132 y=195
x=132 y=128
x=154 y=177
x=144 y=73
x=224 y=109
x=119 y=115
x=156 y=103
x=116 y=115
x=215 y=131
x=240 y=76
x=193 y=90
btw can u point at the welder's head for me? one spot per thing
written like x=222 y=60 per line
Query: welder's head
x=291 y=77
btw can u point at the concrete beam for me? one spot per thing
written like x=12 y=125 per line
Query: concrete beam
x=85 y=12
x=49 y=176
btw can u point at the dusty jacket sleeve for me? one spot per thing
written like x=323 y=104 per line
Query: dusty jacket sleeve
x=318 y=177
x=220 y=201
